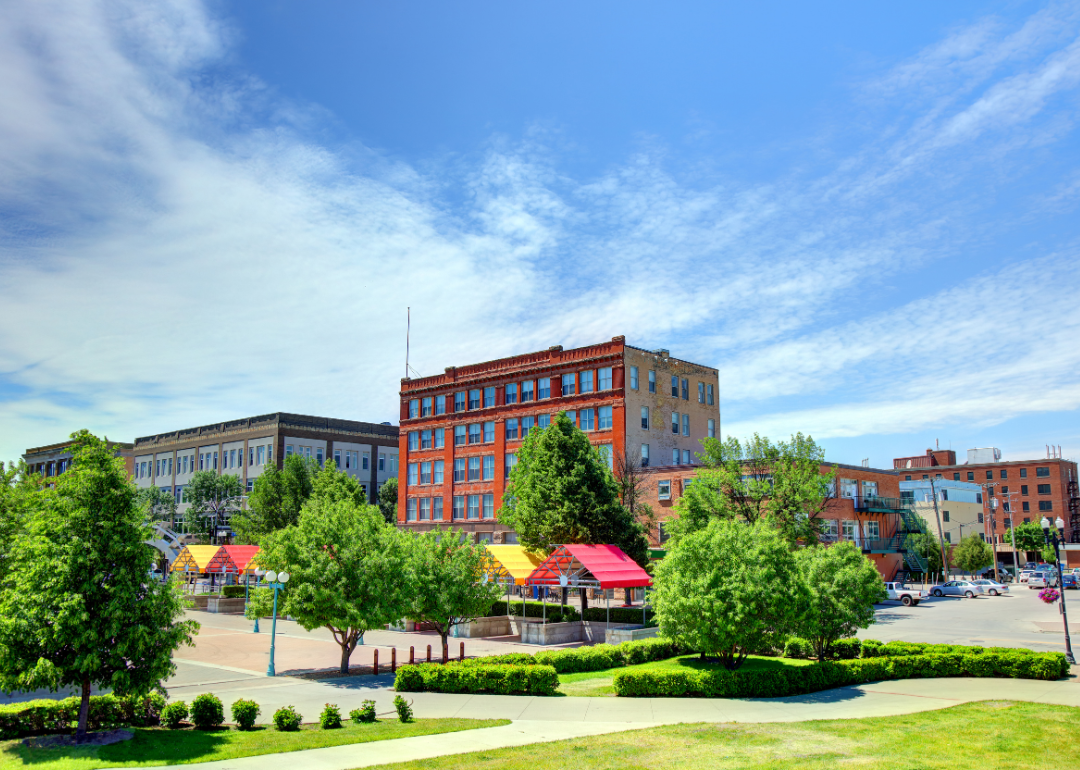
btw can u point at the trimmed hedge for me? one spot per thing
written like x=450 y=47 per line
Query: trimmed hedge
x=798 y=680
x=40 y=717
x=233 y=592
x=535 y=609
x=595 y=658
x=497 y=679
x=848 y=649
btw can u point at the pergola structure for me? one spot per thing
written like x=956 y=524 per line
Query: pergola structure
x=195 y=559
x=510 y=565
x=234 y=560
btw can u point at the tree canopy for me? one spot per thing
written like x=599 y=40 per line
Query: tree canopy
x=842 y=587
x=1029 y=537
x=972 y=554
x=77 y=607
x=388 y=500
x=214 y=500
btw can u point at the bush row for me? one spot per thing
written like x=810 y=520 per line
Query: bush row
x=849 y=649
x=797 y=680
x=534 y=609
x=595 y=658
x=233 y=592
x=497 y=679
x=39 y=717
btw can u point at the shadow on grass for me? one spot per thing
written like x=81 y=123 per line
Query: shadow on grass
x=171 y=746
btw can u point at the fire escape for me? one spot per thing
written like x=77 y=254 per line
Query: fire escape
x=1074 y=511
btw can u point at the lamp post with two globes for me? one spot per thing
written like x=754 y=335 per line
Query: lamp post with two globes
x=277 y=581
x=1056 y=539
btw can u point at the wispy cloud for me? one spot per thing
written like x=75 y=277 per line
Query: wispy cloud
x=176 y=248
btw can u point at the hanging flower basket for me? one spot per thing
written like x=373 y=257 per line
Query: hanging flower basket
x=1049 y=595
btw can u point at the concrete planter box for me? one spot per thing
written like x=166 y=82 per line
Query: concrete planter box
x=498 y=625
x=230 y=606
x=200 y=600
x=631 y=634
x=563 y=633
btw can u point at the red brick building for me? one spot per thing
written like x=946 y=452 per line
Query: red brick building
x=866 y=510
x=460 y=431
x=1026 y=490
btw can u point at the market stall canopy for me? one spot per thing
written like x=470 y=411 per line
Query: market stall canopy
x=592 y=566
x=234 y=560
x=512 y=563
x=195 y=558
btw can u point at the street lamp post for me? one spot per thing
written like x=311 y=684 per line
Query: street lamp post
x=277 y=581
x=258 y=581
x=1057 y=538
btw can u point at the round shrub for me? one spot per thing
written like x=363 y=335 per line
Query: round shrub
x=364 y=714
x=287 y=719
x=330 y=718
x=173 y=714
x=798 y=648
x=207 y=712
x=404 y=709
x=244 y=713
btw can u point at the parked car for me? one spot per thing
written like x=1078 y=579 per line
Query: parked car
x=899 y=592
x=958 y=588
x=1026 y=574
x=1030 y=565
x=1068 y=580
x=1042 y=579
x=992 y=588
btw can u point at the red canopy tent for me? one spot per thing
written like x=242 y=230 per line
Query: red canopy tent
x=233 y=560
x=591 y=566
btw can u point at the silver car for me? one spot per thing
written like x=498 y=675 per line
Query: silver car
x=992 y=588
x=1042 y=580
x=958 y=588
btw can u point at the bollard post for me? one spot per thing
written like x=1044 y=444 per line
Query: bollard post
x=393 y=660
x=411 y=656
x=429 y=653
x=461 y=652
x=375 y=667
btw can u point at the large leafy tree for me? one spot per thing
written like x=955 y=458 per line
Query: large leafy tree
x=349 y=570
x=842 y=587
x=972 y=554
x=77 y=608
x=759 y=480
x=157 y=505
x=20 y=492
x=562 y=491
x=729 y=589
x=388 y=502
x=927 y=545
x=1029 y=537
x=214 y=500
x=276 y=498
x=448 y=571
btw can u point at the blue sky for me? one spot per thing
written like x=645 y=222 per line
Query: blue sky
x=864 y=215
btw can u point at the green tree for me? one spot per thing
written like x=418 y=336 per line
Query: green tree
x=20 y=492
x=276 y=498
x=1029 y=537
x=759 y=480
x=78 y=609
x=157 y=505
x=562 y=491
x=349 y=571
x=972 y=554
x=388 y=500
x=447 y=569
x=335 y=485
x=214 y=499
x=842 y=587
x=926 y=544
x=729 y=589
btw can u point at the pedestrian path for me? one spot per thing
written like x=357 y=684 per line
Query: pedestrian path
x=538 y=720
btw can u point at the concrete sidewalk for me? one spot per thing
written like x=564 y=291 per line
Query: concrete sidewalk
x=538 y=720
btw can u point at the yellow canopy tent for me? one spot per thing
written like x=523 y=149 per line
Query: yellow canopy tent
x=511 y=565
x=195 y=558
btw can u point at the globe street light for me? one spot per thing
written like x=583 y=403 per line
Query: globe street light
x=277 y=581
x=258 y=580
x=1057 y=538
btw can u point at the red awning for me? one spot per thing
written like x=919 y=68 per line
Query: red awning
x=233 y=559
x=594 y=566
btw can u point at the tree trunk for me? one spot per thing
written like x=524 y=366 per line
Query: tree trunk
x=584 y=601
x=347 y=648
x=84 y=711
x=565 y=596
x=445 y=645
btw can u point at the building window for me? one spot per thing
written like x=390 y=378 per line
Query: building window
x=318 y=457
x=674 y=456
x=644 y=455
x=544 y=388
x=543 y=421
x=686 y=390
x=425 y=407
x=436 y=508
x=511 y=461
x=571 y=415
x=989 y=474
x=585 y=378
x=474 y=469
x=489 y=397
x=526 y=391
x=686 y=425
x=425 y=439
x=1023 y=489
x=526 y=425
x=652 y=381
x=1042 y=472
x=686 y=456
x=474 y=398
x=644 y=418
x=425 y=472
x=701 y=392
x=414 y=409
x=1026 y=507
x=440 y=438
x=980 y=518
x=511 y=428
x=586 y=416
x=606 y=419
x=337 y=458
x=393 y=465
x=948 y=537
x=956 y=477
x=633 y=378
x=663 y=490
x=366 y=459
x=606 y=455
x=459 y=469
x=709 y=395
x=489 y=506
x=411 y=474
x=872 y=530
x=982 y=536
x=568 y=384
x=349 y=464
x=440 y=405
x=425 y=509
x=1043 y=489
x=1023 y=473
x=511 y=393
x=1046 y=505
x=410 y=509
x=489 y=431
x=459 y=507
x=382 y=460
x=675 y=423
x=489 y=467
x=971 y=475
x=474 y=506
x=1004 y=473
x=474 y=433
x=1004 y=490
x=1008 y=522
x=438 y=472
x=978 y=497
x=603 y=378
x=459 y=401
x=945 y=516
x=847 y=530
x=674 y=386
x=712 y=428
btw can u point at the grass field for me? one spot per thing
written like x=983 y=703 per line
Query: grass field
x=995 y=735
x=158 y=746
x=593 y=683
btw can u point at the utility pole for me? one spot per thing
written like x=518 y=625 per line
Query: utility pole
x=990 y=503
x=941 y=533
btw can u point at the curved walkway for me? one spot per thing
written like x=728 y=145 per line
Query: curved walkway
x=537 y=720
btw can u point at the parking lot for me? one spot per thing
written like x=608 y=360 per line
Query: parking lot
x=1019 y=619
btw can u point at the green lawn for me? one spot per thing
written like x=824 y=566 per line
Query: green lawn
x=600 y=682
x=995 y=735
x=158 y=746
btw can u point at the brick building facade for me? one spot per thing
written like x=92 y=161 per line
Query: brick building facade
x=460 y=430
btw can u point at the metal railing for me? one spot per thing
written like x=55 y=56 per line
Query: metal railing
x=875 y=503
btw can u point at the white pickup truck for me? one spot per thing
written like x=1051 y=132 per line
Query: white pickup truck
x=899 y=592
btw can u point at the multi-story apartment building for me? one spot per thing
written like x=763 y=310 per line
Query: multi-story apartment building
x=1025 y=490
x=460 y=431
x=54 y=459
x=367 y=451
x=866 y=509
